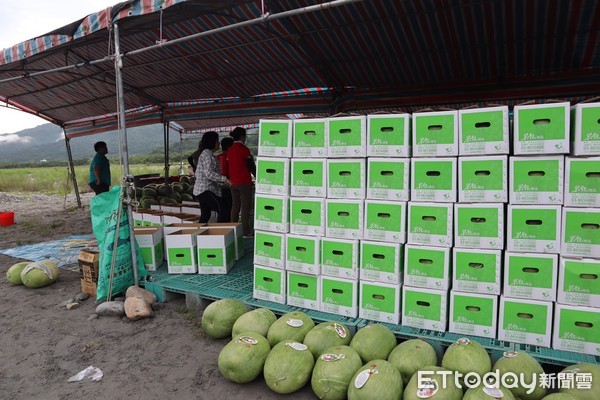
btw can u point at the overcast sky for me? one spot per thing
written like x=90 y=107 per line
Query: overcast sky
x=25 y=19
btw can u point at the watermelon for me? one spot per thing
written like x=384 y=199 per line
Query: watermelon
x=175 y=196
x=178 y=188
x=146 y=202
x=488 y=393
x=218 y=318
x=242 y=360
x=13 y=275
x=325 y=335
x=166 y=201
x=288 y=367
x=560 y=396
x=517 y=363
x=410 y=356
x=187 y=197
x=39 y=274
x=333 y=372
x=436 y=389
x=373 y=342
x=592 y=375
x=184 y=179
x=467 y=356
x=259 y=321
x=376 y=380
x=149 y=192
x=291 y=326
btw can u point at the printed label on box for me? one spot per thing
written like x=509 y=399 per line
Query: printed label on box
x=536 y=180
x=379 y=302
x=525 y=321
x=477 y=271
x=427 y=267
x=339 y=296
x=582 y=182
x=479 y=226
x=542 y=128
x=344 y=218
x=308 y=177
x=273 y=176
x=339 y=258
x=310 y=137
x=307 y=216
x=473 y=314
x=347 y=136
x=581 y=232
x=381 y=262
x=385 y=221
x=530 y=276
x=388 y=179
x=388 y=135
x=484 y=131
x=303 y=254
x=585 y=128
x=424 y=308
x=433 y=179
x=269 y=249
x=303 y=290
x=275 y=138
x=269 y=284
x=579 y=282
x=430 y=224
x=577 y=329
x=483 y=179
x=534 y=229
x=435 y=134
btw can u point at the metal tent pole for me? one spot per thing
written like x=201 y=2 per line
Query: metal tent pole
x=72 y=168
x=166 y=143
x=124 y=150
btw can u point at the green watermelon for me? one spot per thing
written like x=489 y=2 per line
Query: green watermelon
x=218 y=318
x=466 y=356
x=164 y=190
x=146 y=202
x=376 y=380
x=288 y=367
x=333 y=372
x=149 y=192
x=166 y=201
x=517 y=363
x=592 y=371
x=410 y=356
x=13 y=275
x=374 y=341
x=436 y=390
x=325 y=335
x=187 y=197
x=242 y=360
x=175 y=196
x=184 y=179
x=177 y=187
x=259 y=321
x=560 y=396
x=487 y=393
x=291 y=326
x=39 y=274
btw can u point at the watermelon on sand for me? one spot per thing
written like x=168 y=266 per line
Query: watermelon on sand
x=376 y=380
x=218 y=318
x=373 y=342
x=333 y=372
x=13 y=275
x=242 y=360
x=291 y=326
x=258 y=320
x=39 y=274
x=517 y=363
x=410 y=356
x=288 y=367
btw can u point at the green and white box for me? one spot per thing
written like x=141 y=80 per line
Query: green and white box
x=379 y=302
x=582 y=182
x=182 y=256
x=151 y=243
x=479 y=226
x=310 y=137
x=344 y=218
x=536 y=180
x=577 y=329
x=385 y=221
x=303 y=290
x=477 y=271
x=339 y=296
x=339 y=258
x=269 y=249
x=388 y=135
x=541 y=128
x=525 y=321
x=346 y=178
x=154 y=218
x=307 y=216
x=580 y=232
x=579 y=282
x=434 y=179
x=309 y=177
x=435 y=134
x=269 y=284
x=425 y=308
x=238 y=232
x=381 y=262
x=530 y=276
x=430 y=224
x=271 y=213
x=473 y=314
x=483 y=179
x=427 y=267
x=273 y=176
x=216 y=250
x=303 y=254
x=347 y=136
x=275 y=138
x=483 y=131
x=585 y=129
x=533 y=229
x=138 y=218
x=388 y=179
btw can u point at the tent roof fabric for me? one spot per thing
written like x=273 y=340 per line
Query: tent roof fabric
x=365 y=54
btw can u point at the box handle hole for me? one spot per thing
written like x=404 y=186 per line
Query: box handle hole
x=428 y=218
x=482 y=125
x=592 y=175
x=271 y=170
x=300 y=248
x=179 y=255
x=425 y=261
x=525 y=315
x=433 y=173
x=383 y=215
x=536 y=173
x=387 y=173
x=476 y=265
x=434 y=127
x=387 y=129
x=544 y=121
x=268 y=244
x=310 y=133
x=308 y=171
x=270 y=208
x=345 y=131
x=531 y=270
x=343 y=213
x=345 y=173
x=338 y=252
x=472 y=308
x=211 y=256
x=337 y=291
x=534 y=222
x=302 y=285
x=267 y=279
x=379 y=256
x=588 y=276
x=306 y=211
x=482 y=173
x=478 y=220
x=378 y=297
x=590 y=226
x=274 y=132
x=423 y=303
x=584 y=324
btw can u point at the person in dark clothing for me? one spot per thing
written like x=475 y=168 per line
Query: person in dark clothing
x=241 y=168
x=100 y=169
x=226 y=143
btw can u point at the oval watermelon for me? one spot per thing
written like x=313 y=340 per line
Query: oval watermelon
x=291 y=326
x=242 y=360
x=593 y=374
x=559 y=396
x=374 y=341
x=517 y=363
x=288 y=367
x=258 y=320
x=333 y=372
x=13 y=275
x=436 y=390
x=486 y=393
x=467 y=356
x=39 y=274
x=325 y=335
x=218 y=318
x=376 y=380
x=410 y=356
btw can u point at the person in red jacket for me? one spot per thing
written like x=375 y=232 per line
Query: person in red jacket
x=226 y=143
x=241 y=168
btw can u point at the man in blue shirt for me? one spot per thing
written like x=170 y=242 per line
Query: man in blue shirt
x=100 y=169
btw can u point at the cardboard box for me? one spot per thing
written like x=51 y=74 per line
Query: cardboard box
x=473 y=314
x=309 y=177
x=379 y=302
x=479 y=226
x=182 y=255
x=339 y=258
x=477 y=271
x=585 y=129
x=427 y=267
x=344 y=218
x=430 y=224
x=388 y=179
x=153 y=218
x=339 y=296
x=273 y=176
x=534 y=229
x=138 y=218
x=216 y=250
x=303 y=254
x=88 y=270
x=536 y=180
x=303 y=290
x=192 y=210
x=388 y=135
x=435 y=134
x=275 y=138
x=310 y=137
x=484 y=131
x=483 y=179
x=577 y=329
x=582 y=182
x=170 y=208
x=525 y=321
x=271 y=213
x=238 y=232
x=385 y=221
x=541 y=128
x=346 y=178
x=580 y=232
x=381 y=262
x=347 y=136
x=269 y=284
x=178 y=218
x=579 y=282
x=530 y=276
x=151 y=243
x=307 y=216
x=434 y=179
x=269 y=249
x=168 y=229
x=425 y=308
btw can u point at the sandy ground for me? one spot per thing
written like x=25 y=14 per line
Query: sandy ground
x=42 y=343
